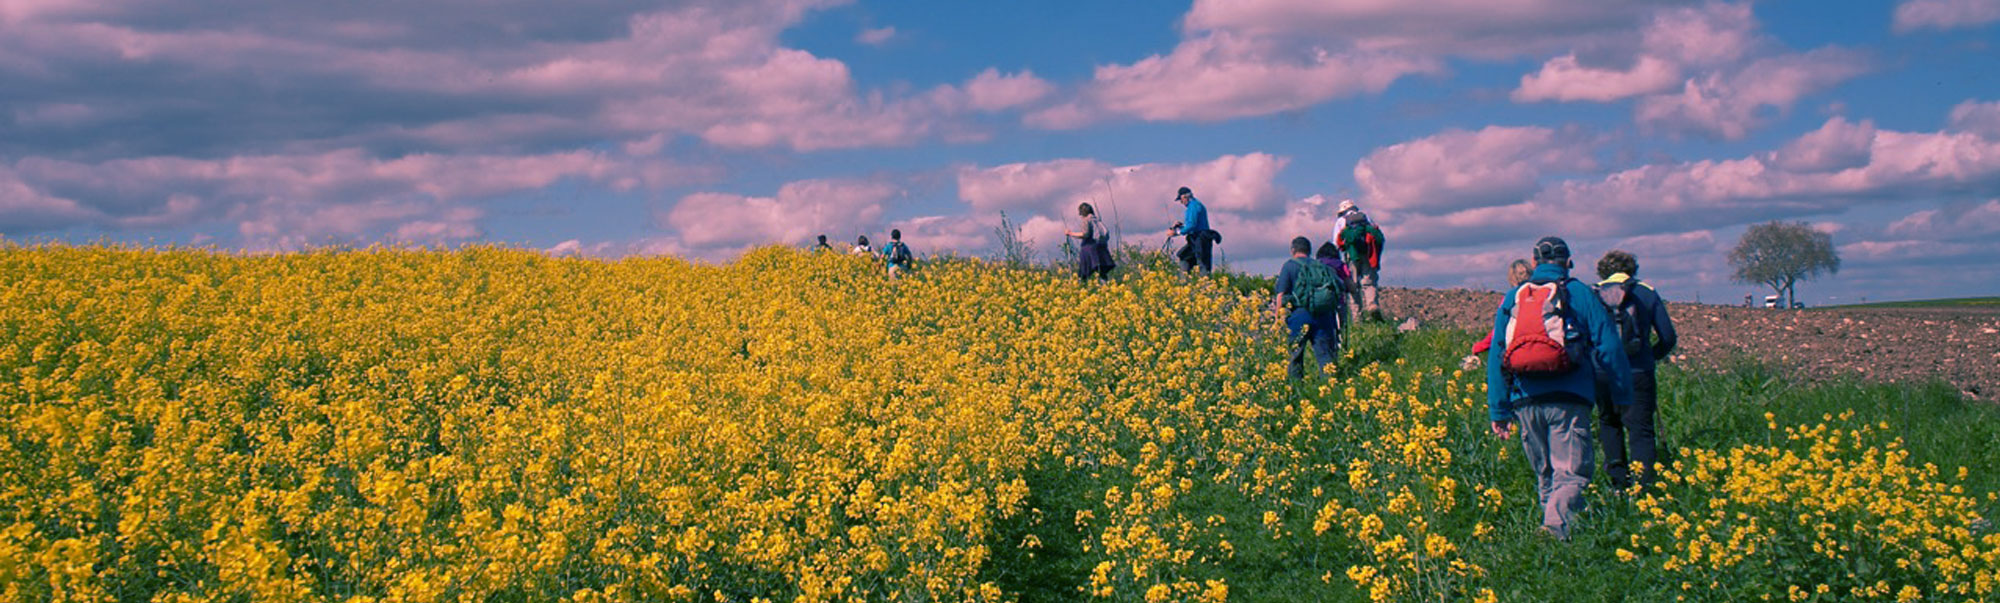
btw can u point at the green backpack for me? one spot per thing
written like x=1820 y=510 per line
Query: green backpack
x=1315 y=288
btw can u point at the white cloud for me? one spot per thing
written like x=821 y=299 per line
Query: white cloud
x=1977 y=117
x=1728 y=105
x=1225 y=76
x=1235 y=183
x=1456 y=169
x=1836 y=168
x=1563 y=79
x=876 y=36
x=1912 y=15
x=1837 y=145
x=729 y=222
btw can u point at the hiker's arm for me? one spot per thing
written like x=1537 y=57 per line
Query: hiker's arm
x=1496 y=381
x=1665 y=327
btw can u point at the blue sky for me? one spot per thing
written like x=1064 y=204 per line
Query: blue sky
x=703 y=127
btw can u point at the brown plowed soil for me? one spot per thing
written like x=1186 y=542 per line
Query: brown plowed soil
x=1960 y=346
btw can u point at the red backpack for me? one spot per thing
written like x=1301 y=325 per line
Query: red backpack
x=1537 y=330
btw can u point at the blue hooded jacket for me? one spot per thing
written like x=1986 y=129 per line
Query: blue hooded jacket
x=1591 y=324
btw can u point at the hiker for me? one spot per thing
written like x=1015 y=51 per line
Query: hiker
x=861 y=247
x=1201 y=240
x=1309 y=293
x=1361 y=241
x=1329 y=256
x=1093 y=254
x=1644 y=315
x=1551 y=339
x=1517 y=273
x=822 y=246
x=896 y=255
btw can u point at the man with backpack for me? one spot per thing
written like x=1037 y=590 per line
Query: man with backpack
x=1201 y=240
x=1309 y=294
x=1552 y=340
x=1329 y=256
x=1361 y=241
x=897 y=255
x=1640 y=315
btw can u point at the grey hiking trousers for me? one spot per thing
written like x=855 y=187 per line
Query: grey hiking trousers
x=1556 y=436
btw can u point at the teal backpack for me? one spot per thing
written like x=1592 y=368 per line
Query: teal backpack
x=1315 y=288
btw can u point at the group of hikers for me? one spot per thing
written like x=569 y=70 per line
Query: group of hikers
x=1559 y=352
x=896 y=257
x=1560 y=349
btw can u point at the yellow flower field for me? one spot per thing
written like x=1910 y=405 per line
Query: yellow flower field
x=490 y=424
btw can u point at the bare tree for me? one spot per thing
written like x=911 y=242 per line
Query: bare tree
x=1780 y=254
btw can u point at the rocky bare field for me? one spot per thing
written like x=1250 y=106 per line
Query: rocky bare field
x=1959 y=345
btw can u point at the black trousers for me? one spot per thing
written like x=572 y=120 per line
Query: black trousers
x=1630 y=429
x=1200 y=249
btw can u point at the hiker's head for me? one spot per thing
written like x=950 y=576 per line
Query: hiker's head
x=1301 y=247
x=862 y=241
x=1327 y=250
x=1346 y=205
x=895 y=234
x=1552 y=250
x=1084 y=209
x=1184 y=195
x=1518 y=271
x=822 y=239
x=1617 y=261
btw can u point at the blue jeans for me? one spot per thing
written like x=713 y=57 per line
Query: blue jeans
x=1556 y=437
x=1320 y=332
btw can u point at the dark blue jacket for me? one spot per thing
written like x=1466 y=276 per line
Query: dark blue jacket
x=1592 y=327
x=1650 y=312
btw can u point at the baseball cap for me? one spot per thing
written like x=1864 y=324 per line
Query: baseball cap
x=1551 y=249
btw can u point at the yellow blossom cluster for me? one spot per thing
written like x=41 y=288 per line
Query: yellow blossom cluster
x=1837 y=509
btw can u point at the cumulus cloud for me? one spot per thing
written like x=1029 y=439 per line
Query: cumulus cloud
x=800 y=210
x=123 y=115
x=1673 y=41
x=1912 y=15
x=1224 y=76
x=1977 y=117
x=1729 y=105
x=1955 y=222
x=1564 y=79
x=1840 y=166
x=1702 y=70
x=992 y=91
x=1234 y=183
x=718 y=71
x=1458 y=169
x=1837 y=145
x=321 y=197
x=1894 y=165
x=1240 y=59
